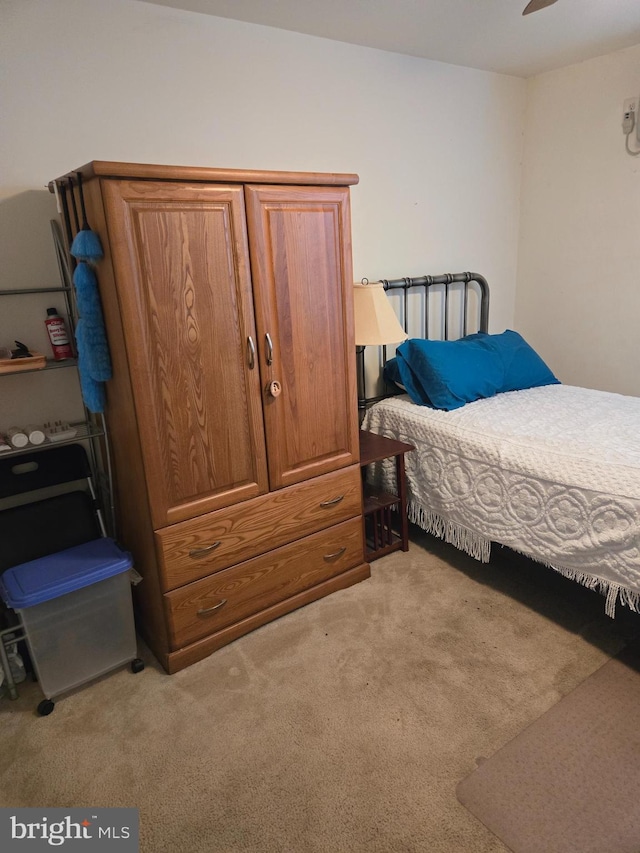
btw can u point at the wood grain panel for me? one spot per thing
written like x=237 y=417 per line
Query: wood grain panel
x=227 y=536
x=107 y=168
x=134 y=527
x=229 y=596
x=301 y=264
x=179 y=659
x=190 y=418
x=182 y=269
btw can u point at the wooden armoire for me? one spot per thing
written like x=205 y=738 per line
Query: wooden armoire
x=227 y=298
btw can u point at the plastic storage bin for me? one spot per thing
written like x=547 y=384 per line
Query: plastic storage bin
x=76 y=610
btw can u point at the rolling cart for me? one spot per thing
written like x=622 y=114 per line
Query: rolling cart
x=66 y=583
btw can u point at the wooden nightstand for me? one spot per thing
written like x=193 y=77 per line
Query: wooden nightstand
x=385 y=515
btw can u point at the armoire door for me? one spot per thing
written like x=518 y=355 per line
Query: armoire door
x=300 y=248
x=181 y=265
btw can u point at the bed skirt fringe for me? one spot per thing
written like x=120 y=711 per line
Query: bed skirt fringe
x=460 y=537
x=613 y=591
x=479 y=548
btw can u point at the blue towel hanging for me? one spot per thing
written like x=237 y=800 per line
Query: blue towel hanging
x=92 y=389
x=86 y=245
x=87 y=296
x=94 y=362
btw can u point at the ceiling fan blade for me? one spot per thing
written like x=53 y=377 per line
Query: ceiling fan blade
x=536 y=5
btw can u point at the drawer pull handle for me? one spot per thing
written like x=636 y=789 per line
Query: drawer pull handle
x=269 y=352
x=201 y=552
x=332 y=502
x=207 y=610
x=334 y=556
x=251 y=353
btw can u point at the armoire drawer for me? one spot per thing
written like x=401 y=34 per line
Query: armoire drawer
x=228 y=596
x=197 y=547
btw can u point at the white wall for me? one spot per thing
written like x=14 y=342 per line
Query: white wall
x=578 y=296
x=437 y=147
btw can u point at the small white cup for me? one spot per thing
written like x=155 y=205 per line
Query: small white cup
x=35 y=434
x=17 y=437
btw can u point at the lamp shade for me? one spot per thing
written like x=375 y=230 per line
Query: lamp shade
x=375 y=320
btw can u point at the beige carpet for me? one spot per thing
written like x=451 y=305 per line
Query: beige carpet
x=570 y=783
x=344 y=726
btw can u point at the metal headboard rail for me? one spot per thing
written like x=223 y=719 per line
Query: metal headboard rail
x=448 y=279
x=448 y=283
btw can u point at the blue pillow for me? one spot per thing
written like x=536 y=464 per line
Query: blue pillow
x=399 y=374
x=523 y=367
x=449 y=374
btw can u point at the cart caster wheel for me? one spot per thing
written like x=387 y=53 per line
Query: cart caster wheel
x=45 y=707
x=137 y=665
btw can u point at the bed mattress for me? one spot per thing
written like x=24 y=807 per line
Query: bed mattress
x=552 y=472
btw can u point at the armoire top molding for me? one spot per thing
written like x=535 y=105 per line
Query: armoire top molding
x=148 y=171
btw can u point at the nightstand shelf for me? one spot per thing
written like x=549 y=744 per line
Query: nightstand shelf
x=385 y=514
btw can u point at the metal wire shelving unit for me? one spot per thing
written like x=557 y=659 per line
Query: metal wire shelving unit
x=93 y=429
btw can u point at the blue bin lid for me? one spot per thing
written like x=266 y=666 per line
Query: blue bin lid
x=57 y=574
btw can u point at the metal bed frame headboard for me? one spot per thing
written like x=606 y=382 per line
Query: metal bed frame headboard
x=446 y=300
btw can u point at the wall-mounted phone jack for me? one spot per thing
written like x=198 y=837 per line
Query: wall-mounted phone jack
x=629 y=121
x=629 y=113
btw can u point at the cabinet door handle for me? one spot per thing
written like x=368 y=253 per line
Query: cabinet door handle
x=206 y=610
x=269 y=353
x=251 y=350
x=334 y=556
x=332 y=502
x=201 y=552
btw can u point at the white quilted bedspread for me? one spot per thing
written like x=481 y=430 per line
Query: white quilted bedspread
x=552 y=472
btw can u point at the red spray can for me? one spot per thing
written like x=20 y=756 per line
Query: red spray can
x=58 y=335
